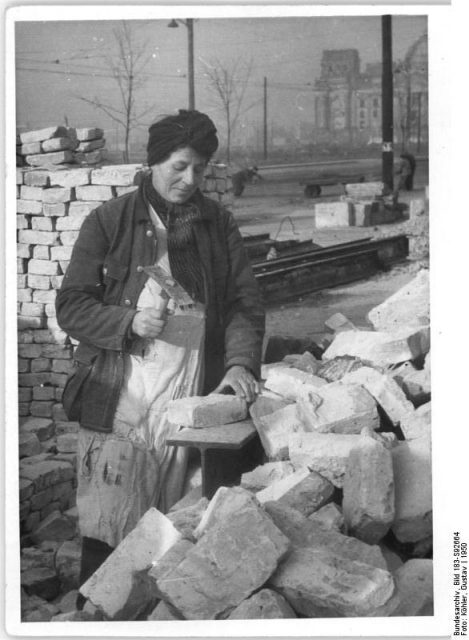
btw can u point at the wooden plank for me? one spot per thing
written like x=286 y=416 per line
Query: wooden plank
x=227 y=436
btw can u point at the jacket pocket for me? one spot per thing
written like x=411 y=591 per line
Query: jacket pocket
x=73 y=391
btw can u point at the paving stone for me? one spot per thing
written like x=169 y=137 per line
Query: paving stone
x=43 y=428
x=67 y=564
x=264 y=475
x=335 y=369
x=325 y=453
x=213 y=410
x=54 y=527
x=26 y=488
x=292 y=383
x=418 y=424
x=304 y=491
x=333 y=214
x=318 y=584
x=127 y=566
x=208 y=582
x=413 y=490
x=41 y=581
x=414 y=581
x=265 y=604
x=114 y=175
x=339 y=408
x=379 y=347
x=38 y=135
x=368 y=497
x=417 y=386
x=29 y=444
x=275 y=428
x=330 y=516
x=409 y=306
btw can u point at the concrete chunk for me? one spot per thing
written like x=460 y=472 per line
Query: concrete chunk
x=120 y=588
x=379 y=347
x=318 y=584
x=213 y=410
x=304 y=491
x=292 y=383
x=413 y=490
x=325 y=453
x=368 y=502
x=225 y=566
x=264 y=475
x=339 y=408
x=414 y=581
x=410 y=306
x=265 y=604
x=384 y=390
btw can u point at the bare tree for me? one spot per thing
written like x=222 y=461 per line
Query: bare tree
x=127 y=69
x=229 y=85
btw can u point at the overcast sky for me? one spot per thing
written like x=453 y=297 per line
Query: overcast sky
x=56 y=61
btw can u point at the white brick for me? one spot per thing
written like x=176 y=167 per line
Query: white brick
x=274 y=429
x=19 y=176
x=333 y=214
x=292 y=383
x=45 y=159
x=94 y=192
x=57 y=144
x=55 y=209
x=38 y=135
x=70 y=223
x=82 y=207
x=41 y=252
x=31 y=193
x=213 y=410
x=90 y=145
x=40 y=223
x=68 y=238
x=364 y=189
x=265 y=474
x=32 y=309
x=28 y=206
x=61 y=253
x=89 y=133
x=414 y=583
x=70 y=178
x=39 y=282
x=36 y=178
x=117 y=175
x=38 y=237
x=22 y=222
x=53 y=195
x=122 y=191
x=24 y=250
x=43 y=267
x=24 y=295
x=29 y=148
x=44 y=297
x=418 y=424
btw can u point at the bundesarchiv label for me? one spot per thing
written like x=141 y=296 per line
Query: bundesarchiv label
x=460 y=585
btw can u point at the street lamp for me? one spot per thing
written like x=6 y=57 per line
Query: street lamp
x=189 y=24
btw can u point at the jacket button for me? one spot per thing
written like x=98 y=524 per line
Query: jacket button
x=140 y=268
x=127 y=302
x=149 y=233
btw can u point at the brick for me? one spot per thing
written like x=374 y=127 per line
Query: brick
x=43 y=393
x=164 y=611
x=29 y=445
x=40 y=223
x=417 y=386
x=94 y=192
x=67 y=443
x=23 y=365
x=41 y=409
x=26 y=488
x=67 y=563
x=59 y=336
x=30 y=322
x=46 y=159
x=414 y=583
x=379 y=347
x=57 y=144
x=224 y=504
x=364 y=189
x=58 y=379
x=40 y=364
x=63 y=427
x=39 y=135
x=304 y=491
x=33 y=379
x=56 y=209
x=21 y=265
x=21 y=281
x=266 y=474
x=43 y=336
x=39 y=282
x=24 y=295
x=50 y=310
x=120 y=175
x=56 y=351
x=54 y=527
x=31 y=193
x=70 y=178
x=153 y=535
x=265 y=604
x=274 y=429
x=19 y=176
x=32 y=309
x=417 y=424
x=28 y=206
x=61 y=253
x=41 y=498
x=23 y=409
x=202 y=586
x=25 y=394
x=338 y=408
x=62 y=366
x=29 y=351
x=36 y=178
x=384 y=390
x=38 y=237
x=122 y=191
x=368 y=491
x=316 y=585
x=329 y=516
x=333 y=214
x=43 y=428
x=326 y=453
x=54 y=195
x=70 y=223
x=43 y=267
x=169 y=560
x=41 y=252
x=409 y=306
x=82 y=207
x=365 y=213
x=338 y=322
x=89 y=133
x=30 y=148
x=59 y=413
x=68 y=238
x=56 y=281
x=213 y=410
x=292 y=383
x=47 y=473
x=413 y=490
x=44 y=297
x=22 y=222
x=41 y=581
x=91 y=145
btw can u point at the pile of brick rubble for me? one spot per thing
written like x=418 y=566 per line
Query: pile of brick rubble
x=336 y=523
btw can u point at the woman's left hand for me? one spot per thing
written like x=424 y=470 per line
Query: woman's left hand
x=242 y=381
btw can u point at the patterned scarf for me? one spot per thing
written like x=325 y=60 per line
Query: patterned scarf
x=179 y=220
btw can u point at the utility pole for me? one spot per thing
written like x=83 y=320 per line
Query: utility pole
x=190 y=61
x=387 y=103
x=265 y=118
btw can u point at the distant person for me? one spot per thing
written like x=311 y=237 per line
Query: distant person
x=241 y=178
x=404 y=173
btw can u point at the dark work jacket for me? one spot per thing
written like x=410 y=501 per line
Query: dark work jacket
x=97 y=301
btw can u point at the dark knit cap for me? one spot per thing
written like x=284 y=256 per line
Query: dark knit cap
x=186 y=129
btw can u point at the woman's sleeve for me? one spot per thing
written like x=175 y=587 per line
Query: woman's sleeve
x=244 y=312
x=80 y=309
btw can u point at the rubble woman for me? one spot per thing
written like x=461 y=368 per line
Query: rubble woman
x=138 y=349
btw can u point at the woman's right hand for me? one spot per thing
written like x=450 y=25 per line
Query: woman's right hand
x=149 y=322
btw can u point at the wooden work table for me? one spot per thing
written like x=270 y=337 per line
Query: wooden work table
x=226 y=452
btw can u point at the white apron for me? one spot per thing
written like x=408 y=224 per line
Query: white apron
x=124 y=473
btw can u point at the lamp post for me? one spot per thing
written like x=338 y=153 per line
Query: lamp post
x=189 y=24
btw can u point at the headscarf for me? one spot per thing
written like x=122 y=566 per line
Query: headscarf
x=185 y=129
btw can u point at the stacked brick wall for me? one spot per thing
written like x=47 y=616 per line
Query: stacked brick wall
x=51 y=206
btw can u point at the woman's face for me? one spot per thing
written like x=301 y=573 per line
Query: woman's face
x=178 y=177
